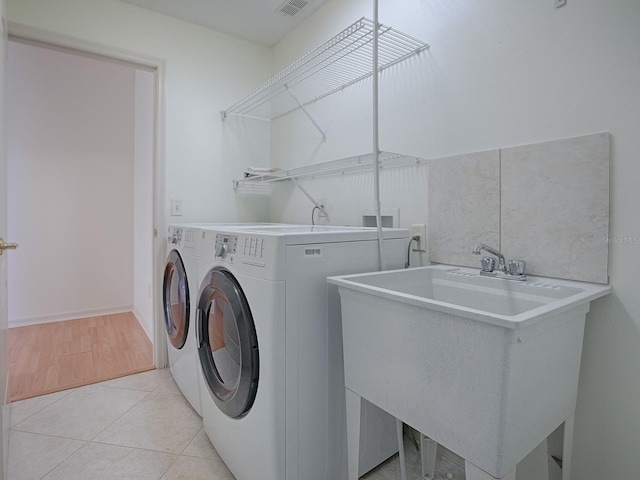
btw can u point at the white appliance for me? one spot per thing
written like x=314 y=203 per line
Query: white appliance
x=270 y=348
x=179 y=292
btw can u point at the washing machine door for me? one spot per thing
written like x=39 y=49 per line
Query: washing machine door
x=175 y=298
x=227 y=343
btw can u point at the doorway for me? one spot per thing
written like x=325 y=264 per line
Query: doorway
x=81 y=171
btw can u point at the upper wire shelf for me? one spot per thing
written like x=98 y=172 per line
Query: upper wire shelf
x=336 y=64
x=359 y=163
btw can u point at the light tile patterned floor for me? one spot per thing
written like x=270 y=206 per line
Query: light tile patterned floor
x=125 y=429
x=122 y=428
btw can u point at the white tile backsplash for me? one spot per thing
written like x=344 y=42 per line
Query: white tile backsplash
x=546 y=203
x=464 y=206
x=555 y=207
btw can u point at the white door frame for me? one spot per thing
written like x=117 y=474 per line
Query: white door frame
x=28 y=34
x=4 y=324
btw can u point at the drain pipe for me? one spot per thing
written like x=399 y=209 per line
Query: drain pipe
x=376 y=141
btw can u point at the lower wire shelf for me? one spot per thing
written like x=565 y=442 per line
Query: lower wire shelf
x=358 y=163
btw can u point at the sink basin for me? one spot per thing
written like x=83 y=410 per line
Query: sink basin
x=487 y=367
x=463 y=292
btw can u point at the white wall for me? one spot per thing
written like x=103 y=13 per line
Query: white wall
x=499 y=74
x=143 y=200
x=70 y=124
x=205 y=72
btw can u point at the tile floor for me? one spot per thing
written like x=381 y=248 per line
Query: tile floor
x=126 y=429
x=121 y=428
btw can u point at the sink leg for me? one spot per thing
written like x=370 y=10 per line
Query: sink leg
x=428 y=449
x=354 y=408
x=559 y=448
x=567 y=448
x=403 y=463
x=474 y=473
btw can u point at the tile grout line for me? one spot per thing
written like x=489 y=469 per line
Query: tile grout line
x=155 y=390
x=173 y=456
x=70 y=391
x=92 y=440
x=96 y=442
x=189 y=442
x=66 y=458
x=39 y=410
x=122 y=414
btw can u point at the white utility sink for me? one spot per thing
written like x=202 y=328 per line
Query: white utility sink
x=487 y=367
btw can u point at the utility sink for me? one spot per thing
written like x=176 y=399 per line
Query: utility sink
x=487 y=367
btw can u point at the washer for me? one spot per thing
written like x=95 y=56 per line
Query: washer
x=270 y=347
x=179 y=291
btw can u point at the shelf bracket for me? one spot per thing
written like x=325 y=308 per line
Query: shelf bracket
x=313 y=200
x=315 y=124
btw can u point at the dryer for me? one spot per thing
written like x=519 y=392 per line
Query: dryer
x=270 y=347
x=179 y=289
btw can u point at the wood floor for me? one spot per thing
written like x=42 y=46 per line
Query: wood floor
x=56 y=356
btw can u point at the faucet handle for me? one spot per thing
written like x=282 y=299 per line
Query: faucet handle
x=516 y=267
x=488 y=264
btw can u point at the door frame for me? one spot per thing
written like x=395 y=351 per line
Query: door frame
x=5 y=407
x=27 y=34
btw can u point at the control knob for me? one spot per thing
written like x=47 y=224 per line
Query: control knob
x=221 y=250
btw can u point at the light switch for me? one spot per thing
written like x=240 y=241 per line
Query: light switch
x=176 y=208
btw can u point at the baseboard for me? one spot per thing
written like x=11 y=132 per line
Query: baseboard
x=5 y=373
x=5 y=397
x=59 y=317
x=146 y=326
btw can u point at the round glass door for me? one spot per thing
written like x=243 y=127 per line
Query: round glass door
x=227 y=343
x=175 y=298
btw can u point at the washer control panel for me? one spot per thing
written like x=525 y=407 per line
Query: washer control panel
x=225 y=245
x=253 y=247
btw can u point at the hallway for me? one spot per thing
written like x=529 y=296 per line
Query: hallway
x=56 y=356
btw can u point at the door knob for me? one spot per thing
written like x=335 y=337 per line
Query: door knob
x=6 y=246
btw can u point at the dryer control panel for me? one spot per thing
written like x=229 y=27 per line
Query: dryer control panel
x=181 y=237
x=174 y=236
x=225 y=245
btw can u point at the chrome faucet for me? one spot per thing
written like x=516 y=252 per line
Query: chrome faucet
x=501 y=261
x=513 y=270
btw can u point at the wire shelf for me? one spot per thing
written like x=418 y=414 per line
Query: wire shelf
x=338 y=63
x=358 y=163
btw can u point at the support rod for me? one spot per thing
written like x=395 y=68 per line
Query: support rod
x=376 y=140
x=315 y=124
x=308 y=195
